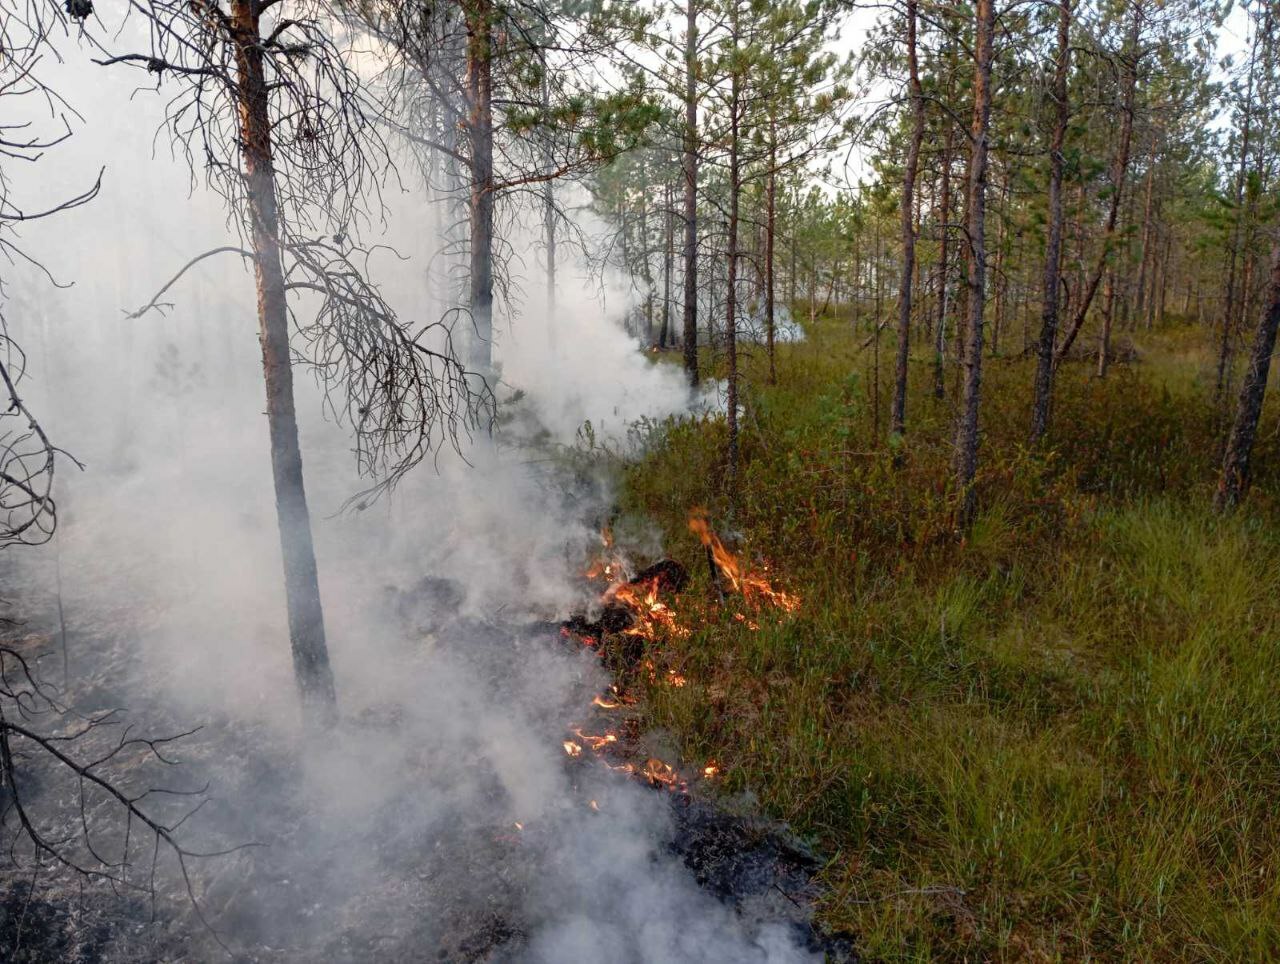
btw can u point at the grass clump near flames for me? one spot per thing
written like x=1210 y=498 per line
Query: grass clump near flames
x=1059 y=739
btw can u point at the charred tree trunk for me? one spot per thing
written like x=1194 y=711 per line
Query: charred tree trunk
x=898 y=412
x=302 y=585
x=966 y=449
x=691 y=194
x=480 y=133
x=1235 y=463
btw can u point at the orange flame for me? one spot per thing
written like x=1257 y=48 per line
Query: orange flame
x=753 y=587
x=651 y=613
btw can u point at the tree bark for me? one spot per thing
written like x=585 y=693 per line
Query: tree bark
x=731 y=289
x=898 y=412
x=302 y=585
x=691 y=194
x=967 y=435
x=480 y=132
x=549 y=222
x=944 y=268
x=1053 y=246
x=668 y=265
x=770 y=226
x=1235 y=463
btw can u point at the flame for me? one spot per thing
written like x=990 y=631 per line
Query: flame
x=596 y=743
x=659 y=773
x=710 y=770
x=651 y=613
x=752 y=586
x=571 y=748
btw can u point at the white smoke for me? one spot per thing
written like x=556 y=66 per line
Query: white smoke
x=170 y=576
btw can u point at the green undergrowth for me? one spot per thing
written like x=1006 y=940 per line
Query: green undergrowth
x=1055 y=739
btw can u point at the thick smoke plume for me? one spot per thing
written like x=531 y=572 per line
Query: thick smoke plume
x=394 y=837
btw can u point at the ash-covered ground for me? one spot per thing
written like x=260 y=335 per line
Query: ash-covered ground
x=440 y=821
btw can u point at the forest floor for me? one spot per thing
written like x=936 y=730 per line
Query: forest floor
x=1058 y=738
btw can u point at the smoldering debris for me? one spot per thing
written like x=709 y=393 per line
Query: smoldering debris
x=418 y=832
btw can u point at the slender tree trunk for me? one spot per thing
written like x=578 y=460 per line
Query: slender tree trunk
x=791 y=278
x=898 y=413
x=691 y=194
x=966 y=449
x=731 y=289
x=302 y=585
x=999 y=280
x=1145 y=247
x=770 y=226
x=480 y=131
x=1120 y=171
x=1235 y=463
x=668 y=265
x=549 y=221
x=1108 y=307
x=1053 y=246
x=944 y=286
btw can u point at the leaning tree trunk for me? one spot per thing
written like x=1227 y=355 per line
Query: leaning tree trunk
x=480 y=132
x=966 y=450
x=1120 y=171
x=690 y=166
x=898 y=411
x=1235 y=463
x=301 y=581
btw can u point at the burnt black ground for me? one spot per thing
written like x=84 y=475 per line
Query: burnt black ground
x=461 y=891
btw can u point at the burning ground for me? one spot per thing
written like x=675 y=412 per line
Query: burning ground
x=488 y=795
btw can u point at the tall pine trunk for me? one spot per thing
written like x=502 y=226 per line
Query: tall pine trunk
x=302 y=585
x=770 y=228
x=944 y=268
x=1053 y=246
x=966 y=448
x=731 y=287
x=480 y=132
x=898 y=410
x=691 y=194
x=668 y=264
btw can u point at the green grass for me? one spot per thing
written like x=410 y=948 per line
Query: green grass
x=1056 y=739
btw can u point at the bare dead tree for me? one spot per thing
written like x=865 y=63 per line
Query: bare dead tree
x=268 y=105
x=76 y=792
x=28 y=513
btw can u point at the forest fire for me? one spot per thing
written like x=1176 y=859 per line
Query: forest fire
x=651 y=613
x=753 y=587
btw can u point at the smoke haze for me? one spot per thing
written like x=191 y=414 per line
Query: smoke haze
x=396 y=835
